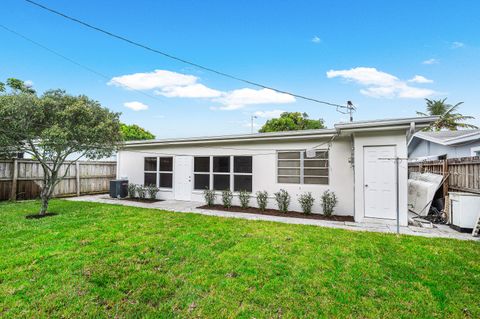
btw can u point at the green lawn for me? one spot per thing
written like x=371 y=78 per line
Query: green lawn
x=96 y=260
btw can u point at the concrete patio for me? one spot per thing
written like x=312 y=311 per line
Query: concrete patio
x=441 y=231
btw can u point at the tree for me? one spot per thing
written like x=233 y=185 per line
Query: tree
x=292 y=121
x=54 y=126
x=134 y=132
x=448 y=119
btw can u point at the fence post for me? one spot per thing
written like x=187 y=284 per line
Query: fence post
x=446 y=177
x=77 y=175
x=13 y=190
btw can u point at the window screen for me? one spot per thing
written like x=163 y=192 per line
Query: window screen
x=293 y=167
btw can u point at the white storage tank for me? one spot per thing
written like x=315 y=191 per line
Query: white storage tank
x=464 y=210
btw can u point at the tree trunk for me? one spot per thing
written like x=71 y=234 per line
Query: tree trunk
x=44 y=207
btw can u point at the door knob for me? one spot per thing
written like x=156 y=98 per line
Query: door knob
x=366 y=185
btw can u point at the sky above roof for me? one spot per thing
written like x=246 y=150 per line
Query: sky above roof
x=384 y=56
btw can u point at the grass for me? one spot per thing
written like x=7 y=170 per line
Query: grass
x=96 y=260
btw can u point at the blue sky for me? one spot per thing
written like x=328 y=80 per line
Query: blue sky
x=384 y=56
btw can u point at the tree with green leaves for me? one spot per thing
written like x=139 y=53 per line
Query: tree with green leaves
x=292 y=121
x=53 y=126
x=135 y=133
x=449 y=118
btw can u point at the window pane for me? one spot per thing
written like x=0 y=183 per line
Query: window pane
x=289 y=155
x=202 y=164
x=242 y=164
x=316 y=172
x=221 y=182
x=316 y=180
x=166 y=180
x=221 y=164
x=166 y=164
x=242 y=183
x=288 y=171
x=284 y=163
x=316 y=163
x=150 y=164
x=289 y=179
x=150 y=179
x=201 y=181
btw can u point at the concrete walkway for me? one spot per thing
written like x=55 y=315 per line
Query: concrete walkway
x=191 y=207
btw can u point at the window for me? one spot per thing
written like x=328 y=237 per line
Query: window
x=242 y=169
x=224 y=173
x=161 y=167
x=201 y=170
x=150 y=168
x=295 y=168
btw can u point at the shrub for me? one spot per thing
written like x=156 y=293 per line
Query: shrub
x=209 y=196
x=283 y=200
x=244 y=197
x=227 y=198
x=141 y=191
x=262 y=199
x=306 y=201
x=152 y=191
x=329 y=201
x=132 y=190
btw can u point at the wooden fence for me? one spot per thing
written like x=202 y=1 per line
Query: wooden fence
x=21 y=178
x=462 y=174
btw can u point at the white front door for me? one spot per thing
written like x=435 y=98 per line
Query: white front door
x=379 y=182
x=183 y=177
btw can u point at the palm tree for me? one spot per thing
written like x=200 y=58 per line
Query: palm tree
x=448 y=119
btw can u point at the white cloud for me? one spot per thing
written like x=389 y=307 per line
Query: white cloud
x=431 y=61
x=136 y=106
x=380 y=84
x=420 y=79
x=177 y=85
x=190 y=91
x=268 y=114
x=316 y=39
x=157 y=79
x=28 y=83
x=240 y=98
x=457 y=45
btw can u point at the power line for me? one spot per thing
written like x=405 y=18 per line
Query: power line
x=170 y=56
x=89 y=69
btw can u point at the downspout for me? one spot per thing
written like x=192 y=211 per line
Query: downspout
x=352 y=162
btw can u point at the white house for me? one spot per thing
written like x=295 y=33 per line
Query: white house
x=444 y=144
x=355 y=160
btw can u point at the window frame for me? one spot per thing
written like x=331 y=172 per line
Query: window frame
x=157 y=172
x=231 y=173
x=302 y=158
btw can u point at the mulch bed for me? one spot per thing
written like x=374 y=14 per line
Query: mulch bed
x=274 y=212
x=142 y=200
x=37 y=216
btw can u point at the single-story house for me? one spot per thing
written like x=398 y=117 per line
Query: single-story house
x=444 y=144
x=355 y=160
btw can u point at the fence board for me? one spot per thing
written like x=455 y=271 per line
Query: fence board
x=93 y=178
x=463 y=173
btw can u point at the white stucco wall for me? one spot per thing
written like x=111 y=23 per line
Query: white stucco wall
x=264 y=157
x=381 y=138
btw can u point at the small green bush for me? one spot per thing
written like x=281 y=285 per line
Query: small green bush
x=227 y=198
x=152 y=191
x=306 y=201
x=262 y=199
x=132 y=190
x=141 y=191
x=283 y=200
x=209 y=196
x=329 y=201
x=244 y=197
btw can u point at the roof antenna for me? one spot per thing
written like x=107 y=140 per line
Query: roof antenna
x=350 y=108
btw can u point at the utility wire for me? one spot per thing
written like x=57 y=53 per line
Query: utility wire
x=170 y=56
x=89 y=69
